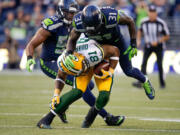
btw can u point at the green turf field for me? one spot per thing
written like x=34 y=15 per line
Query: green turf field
x=24 y=98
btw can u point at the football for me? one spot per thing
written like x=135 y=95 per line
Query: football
x=102 y=65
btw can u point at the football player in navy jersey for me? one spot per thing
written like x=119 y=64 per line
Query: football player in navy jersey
x=53 y=34
x=102 y=25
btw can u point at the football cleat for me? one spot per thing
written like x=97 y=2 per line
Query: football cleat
x=43 y=126
x=149 y=90
x=62 y=117
x=114 y=120
x=90 y=117
x=45 y=122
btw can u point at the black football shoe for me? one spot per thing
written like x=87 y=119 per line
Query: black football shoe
x=45 y=122
x=114 y=120
x=90 y=117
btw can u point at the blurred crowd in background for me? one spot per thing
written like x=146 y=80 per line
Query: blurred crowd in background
x=19 y=19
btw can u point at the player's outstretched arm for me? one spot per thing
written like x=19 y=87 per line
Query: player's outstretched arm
x=131 y=51
x=127 y=20
x=40 y=36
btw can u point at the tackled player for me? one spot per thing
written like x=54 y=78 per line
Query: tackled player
x=89 y=54
x=53 y=37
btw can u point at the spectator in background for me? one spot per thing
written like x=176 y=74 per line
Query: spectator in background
x=111 y=3
x=82 y=3
x=177 y=9
x=27 y=5
x=161 y=7
x=126 y=7
x=5 y=7
x=36 y=11
x=50 y=11
x=18 y=31
x=9 y=22
x=133 y=3
x=12 y=46
x=141 y=11
x=155 y=33
x=46 y=3
x=29 y=25
x=174 y=7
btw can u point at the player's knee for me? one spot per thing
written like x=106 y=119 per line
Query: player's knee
x=128 y=72
x=102 y=99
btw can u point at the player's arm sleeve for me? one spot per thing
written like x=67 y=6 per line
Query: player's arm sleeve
x=51 y=24
x=124 y=19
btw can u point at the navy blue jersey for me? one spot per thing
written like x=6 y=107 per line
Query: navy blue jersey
x=109 y=32
x=56 y=43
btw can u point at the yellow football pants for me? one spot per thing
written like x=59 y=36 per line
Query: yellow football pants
x=81 y=82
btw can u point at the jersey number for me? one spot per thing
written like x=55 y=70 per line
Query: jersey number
x=112 y=16
x=93 y=56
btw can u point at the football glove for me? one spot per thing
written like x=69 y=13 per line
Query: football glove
x=68 y=59
x=30 y=62
x=132 y=50
x=56 y=99
x=105 y=74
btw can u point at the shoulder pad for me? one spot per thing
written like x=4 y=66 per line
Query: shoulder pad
x=51 y=23
x=77 y=22
x=110 y=16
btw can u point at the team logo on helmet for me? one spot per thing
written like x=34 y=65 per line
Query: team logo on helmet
x=79 y=61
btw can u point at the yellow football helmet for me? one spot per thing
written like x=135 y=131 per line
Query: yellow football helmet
x=79 y=61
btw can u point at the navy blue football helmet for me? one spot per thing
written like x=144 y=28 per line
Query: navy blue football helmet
x=92 y=18
x=66 y=10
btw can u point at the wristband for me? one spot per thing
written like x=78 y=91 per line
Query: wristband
x=29 y=57
x=133 y=43
x=69 y=52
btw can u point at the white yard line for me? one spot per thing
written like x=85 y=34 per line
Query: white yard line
x=99 y=129
x=82 y=116
x=110 y=107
